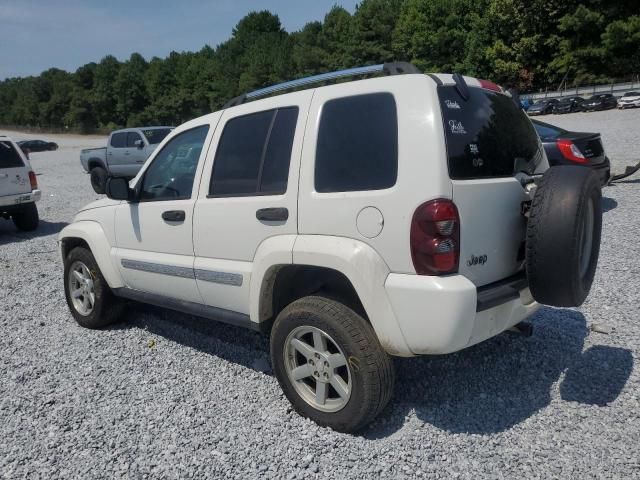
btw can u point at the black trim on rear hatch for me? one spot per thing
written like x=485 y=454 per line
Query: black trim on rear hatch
x=500 y=292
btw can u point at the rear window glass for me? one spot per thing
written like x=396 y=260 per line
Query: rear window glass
x=156 y=135
x=9 y=157
x=357 y=144
x=547 y=131
x=487 y=135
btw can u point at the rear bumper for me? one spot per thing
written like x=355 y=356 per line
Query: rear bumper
x=10 y=202
x=440 y=315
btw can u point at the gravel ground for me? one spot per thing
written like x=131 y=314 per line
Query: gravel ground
x=164 y=395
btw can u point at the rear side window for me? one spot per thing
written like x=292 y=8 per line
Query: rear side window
x=357 y=144
x=119 y=140
x=254 y=153
x=156 y=135
x=487 y=135
x=9 y=157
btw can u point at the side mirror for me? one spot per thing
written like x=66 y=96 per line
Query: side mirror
x=139 y=143
x=117 y=188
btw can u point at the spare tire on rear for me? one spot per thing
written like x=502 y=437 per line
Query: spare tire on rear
x=563 y=236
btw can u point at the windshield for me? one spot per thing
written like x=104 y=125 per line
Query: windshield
x=9 y=157
x=156 y=135
x=487 y=135
x=632 y=94
x=596 y=98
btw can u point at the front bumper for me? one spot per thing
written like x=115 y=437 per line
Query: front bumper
x=628 y=105
x=19 y=199
x=440 y=315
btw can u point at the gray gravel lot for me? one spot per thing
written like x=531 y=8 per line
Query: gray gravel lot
x=164 y=395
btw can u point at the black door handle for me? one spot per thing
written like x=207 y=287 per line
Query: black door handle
x=174 y=216
x=272 y=214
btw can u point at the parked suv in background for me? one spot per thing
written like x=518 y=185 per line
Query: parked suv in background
x=125 y=153
x=403 y=215
x=18 y=187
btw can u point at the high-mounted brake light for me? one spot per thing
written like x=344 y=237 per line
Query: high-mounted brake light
x=33 y=180
x=489 y=85
x=435 y=238
x=570 y=151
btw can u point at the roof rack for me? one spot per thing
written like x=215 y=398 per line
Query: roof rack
x=392 y=68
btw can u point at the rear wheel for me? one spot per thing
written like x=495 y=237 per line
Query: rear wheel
x=98 y=179
x=330 y=364
x=88 y=295
x=563 y=236
x=26 y=218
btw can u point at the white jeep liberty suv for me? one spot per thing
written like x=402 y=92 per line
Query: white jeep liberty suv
x=406 y=214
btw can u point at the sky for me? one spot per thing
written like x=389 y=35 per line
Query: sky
x=39 y=34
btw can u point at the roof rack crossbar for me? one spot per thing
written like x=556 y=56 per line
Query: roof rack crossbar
x=394 y=68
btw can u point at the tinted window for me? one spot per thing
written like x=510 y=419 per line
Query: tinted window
x=156 y=135
x=275 y=171
x=119 y=140
x=632 y=94
x=170 y=175
x=131 y=139
x=357 y=144
x=487 y=135
x=254 y=153
x=9 y=157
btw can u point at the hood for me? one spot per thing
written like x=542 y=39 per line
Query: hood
x=538 y=106
x=105 y=202
x=629 y=99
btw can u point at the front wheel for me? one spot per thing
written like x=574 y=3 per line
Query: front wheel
x=330 y=363
x=91 y=301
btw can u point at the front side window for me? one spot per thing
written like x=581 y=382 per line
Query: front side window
x=254 y=153
x=119 y=140
x=131 y=139
x=357 y=144
x=170 y=175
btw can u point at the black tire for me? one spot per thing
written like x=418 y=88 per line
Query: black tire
x=26 y=218
x=560 y=260
x=107 y=308
x=98 y=179
x=370 y=367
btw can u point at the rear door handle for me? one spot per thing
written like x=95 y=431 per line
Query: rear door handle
x=272 y=214
x=173 y=216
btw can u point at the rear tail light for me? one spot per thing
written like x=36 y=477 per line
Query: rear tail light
x=570 y=151
x=489 y=85
x=435 y=238
x=33 y=180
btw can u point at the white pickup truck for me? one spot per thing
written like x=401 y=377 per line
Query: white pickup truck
x=124 y=155
x=18 y=187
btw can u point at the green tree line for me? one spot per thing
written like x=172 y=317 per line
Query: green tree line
x=529 y=43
